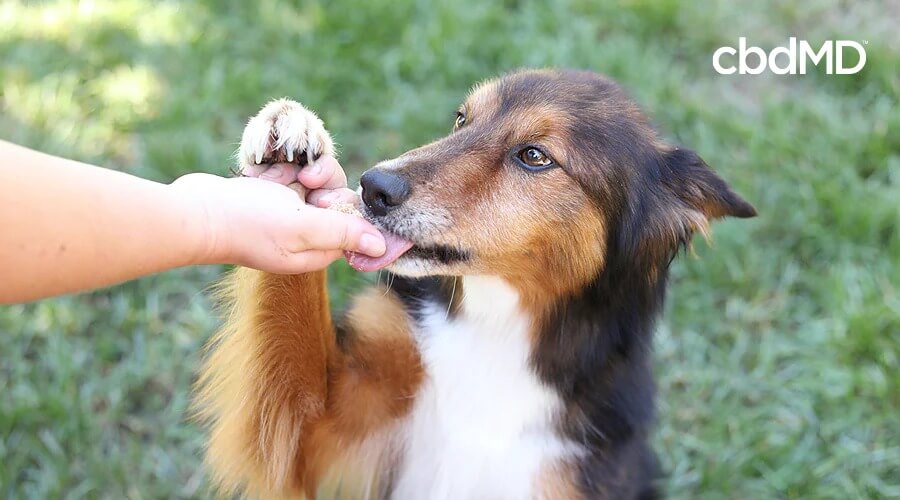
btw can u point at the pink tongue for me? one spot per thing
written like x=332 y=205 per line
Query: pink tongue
x=395 y=247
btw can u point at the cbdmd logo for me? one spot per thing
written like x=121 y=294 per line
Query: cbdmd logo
x=787 y=60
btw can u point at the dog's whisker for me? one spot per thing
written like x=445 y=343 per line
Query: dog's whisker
x=391 y=278
x=450 y=302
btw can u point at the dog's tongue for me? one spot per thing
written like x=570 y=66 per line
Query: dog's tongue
x=395 y=247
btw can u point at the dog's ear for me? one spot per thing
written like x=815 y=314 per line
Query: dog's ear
x=699 y=188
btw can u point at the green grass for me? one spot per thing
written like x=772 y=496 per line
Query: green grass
x=778 y=358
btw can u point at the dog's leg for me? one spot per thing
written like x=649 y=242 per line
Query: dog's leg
x=266 y=378
x=288 y=403
x=284 y=400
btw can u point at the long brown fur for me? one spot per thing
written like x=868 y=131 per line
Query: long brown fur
x=286 y=403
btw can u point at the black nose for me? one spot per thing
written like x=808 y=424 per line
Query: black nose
x=383 y=190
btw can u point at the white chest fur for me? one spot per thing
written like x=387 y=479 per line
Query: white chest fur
x=482 y=424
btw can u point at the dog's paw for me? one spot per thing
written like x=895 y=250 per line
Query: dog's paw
x=283 y=132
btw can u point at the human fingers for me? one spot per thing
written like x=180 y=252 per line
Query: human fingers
x=312 y=260
x=282 y=173
x=324 y=198
x=329 y=230
x=324 y=173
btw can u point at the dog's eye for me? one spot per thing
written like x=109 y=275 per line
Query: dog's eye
x=460 y=120
x=534 y=158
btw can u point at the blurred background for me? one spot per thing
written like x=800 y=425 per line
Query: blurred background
x=778 y=355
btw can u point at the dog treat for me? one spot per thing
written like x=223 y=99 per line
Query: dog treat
x=350 y=209
x=347 y=208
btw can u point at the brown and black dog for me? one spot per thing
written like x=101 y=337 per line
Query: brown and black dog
x=506 y=354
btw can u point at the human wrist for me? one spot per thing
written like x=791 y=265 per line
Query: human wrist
x=202 y=225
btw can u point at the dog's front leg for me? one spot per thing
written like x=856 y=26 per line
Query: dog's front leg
x=265 y=383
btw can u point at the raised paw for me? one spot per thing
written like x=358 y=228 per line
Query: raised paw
x=283 y=132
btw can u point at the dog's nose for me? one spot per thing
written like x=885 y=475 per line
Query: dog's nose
x=383 y=190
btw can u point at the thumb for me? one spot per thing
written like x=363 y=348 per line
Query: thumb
x=330 y=230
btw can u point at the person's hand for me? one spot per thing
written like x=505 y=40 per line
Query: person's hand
x=258 y=223
x=324 y=182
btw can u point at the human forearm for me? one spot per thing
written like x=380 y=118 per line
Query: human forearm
x=77 y=226
x=66 y=226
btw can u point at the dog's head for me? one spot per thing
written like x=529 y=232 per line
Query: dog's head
x=545 y=174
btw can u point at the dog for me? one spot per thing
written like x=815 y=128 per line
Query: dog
x=506 y=352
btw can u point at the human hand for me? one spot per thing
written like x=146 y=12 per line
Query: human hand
x=323 y=183
x=265 y=225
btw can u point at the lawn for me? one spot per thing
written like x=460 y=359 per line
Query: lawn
x=779 y=356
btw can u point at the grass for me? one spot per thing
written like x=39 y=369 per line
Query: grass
x=778 y=358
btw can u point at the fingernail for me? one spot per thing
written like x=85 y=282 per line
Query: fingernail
x=315 y=169
x=272 y=173
x=372 y=245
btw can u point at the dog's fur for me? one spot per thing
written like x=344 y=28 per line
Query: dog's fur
x=507 y=355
